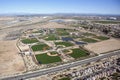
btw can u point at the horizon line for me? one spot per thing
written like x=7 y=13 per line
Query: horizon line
x=24 y=13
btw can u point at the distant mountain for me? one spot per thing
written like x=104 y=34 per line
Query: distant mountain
x=56 y=14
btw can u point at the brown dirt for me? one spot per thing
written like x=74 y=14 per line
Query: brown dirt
x=10 y=61
x=104 y=46
x=53 y=25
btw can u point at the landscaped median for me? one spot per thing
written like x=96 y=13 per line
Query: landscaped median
x=46 y=59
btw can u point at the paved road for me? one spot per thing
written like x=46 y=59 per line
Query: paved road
x=61 y=67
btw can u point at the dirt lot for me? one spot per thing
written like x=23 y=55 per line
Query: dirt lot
x=104 y=46
x=53 y=25
x=10 y=61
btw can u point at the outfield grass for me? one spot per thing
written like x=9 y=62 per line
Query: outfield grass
x=65 y=51
x=102 y=37
x=66 y=44
x=54 y=52
x=28 y=41
x=77 y=53
x=45 y=59
x=40 y=47
x=52 y=37
x=89 y=40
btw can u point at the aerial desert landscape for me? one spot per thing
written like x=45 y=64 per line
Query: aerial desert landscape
x=10 y=59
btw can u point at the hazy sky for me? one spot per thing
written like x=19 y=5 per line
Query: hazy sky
x=60 y=6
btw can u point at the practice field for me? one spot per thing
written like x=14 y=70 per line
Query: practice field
x=62 y=32
x=77 y=53
x=40 y=47
x=28 y=41
x=89 y=40
x=52 y=37
x=66 y=44
x=45 y=59
x=102 y=37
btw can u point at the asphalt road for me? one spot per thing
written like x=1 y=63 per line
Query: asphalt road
x=61 y=67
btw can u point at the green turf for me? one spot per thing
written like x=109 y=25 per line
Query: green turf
x=89 y=40
x=52 y=37
x=65 y=51
x=65 y=78
x=101 y=37
x=28 y=41
x=62 y=32
x=77 y=53
x=45 y=59
x=40 y=47
x=66 y=44
x=88 y=34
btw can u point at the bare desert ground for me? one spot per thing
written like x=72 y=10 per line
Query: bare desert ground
x=104 y=46
x=10 y=61
x=53 y=25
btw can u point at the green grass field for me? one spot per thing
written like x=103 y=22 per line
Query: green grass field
x=65 y=51
x=62 y=32
x=45 y=59
x=102 y=37
x=52 y=37
x=66 y=44
x=28 y=41
x=89 y=40
x=88 y=34
x=40 y=47
x=54 y=52
x=77 y=53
